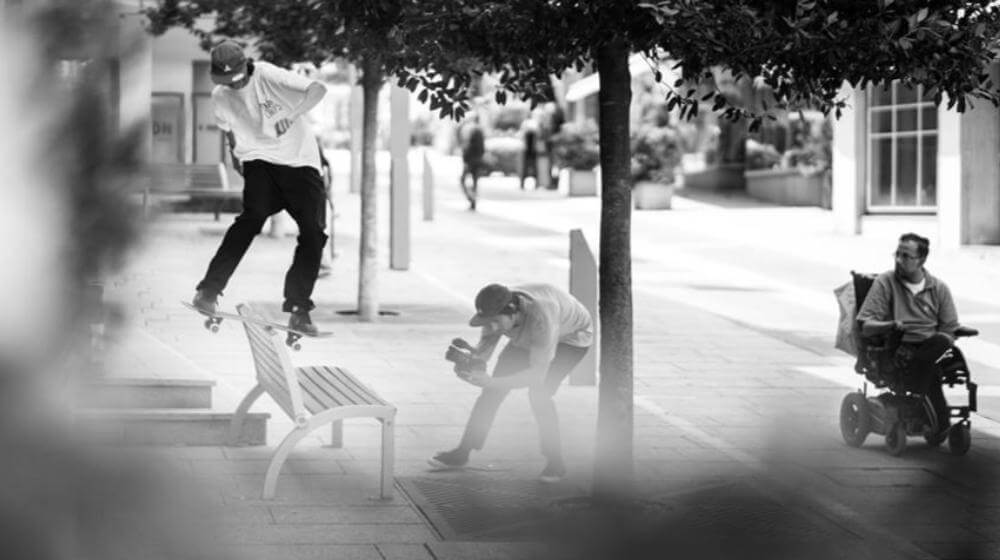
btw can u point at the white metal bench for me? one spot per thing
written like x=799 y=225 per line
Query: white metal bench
x=313 y=397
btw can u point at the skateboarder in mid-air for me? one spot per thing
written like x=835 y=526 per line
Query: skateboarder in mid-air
x=259 y=106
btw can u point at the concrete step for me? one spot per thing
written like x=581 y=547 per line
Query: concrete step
x=167 y=427
x=146 y=393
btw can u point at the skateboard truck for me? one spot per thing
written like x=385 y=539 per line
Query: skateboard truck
x=212 y=323
x=291 y=341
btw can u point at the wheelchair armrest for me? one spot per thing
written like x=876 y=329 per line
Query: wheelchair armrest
x=965 y=331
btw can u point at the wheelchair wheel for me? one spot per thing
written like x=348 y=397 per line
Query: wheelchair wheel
x=959 y=439
x=895 y=439
x=855 y=419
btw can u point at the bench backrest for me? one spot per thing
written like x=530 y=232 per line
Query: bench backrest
x=181 y=177
x=275 y=371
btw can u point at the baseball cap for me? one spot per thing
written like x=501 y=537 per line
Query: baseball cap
x=229 y=64
x=490 y=301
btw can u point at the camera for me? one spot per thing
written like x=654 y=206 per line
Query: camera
x=461 y=354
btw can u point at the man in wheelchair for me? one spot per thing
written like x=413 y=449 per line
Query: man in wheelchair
x=913 y=315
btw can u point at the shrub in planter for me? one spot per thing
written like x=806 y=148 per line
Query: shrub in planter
x=656 y=153
x=576 y=146
x=761 y=156
x=503 y=154
x=510 y=117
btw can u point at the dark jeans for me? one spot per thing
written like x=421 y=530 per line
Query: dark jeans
x=513 y=360
x=529 y=168
x=268 y=189
x=923 y=375
x=473 y=167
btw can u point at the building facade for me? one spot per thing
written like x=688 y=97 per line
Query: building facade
x=902 y=164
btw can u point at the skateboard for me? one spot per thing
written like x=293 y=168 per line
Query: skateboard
x=212 y=321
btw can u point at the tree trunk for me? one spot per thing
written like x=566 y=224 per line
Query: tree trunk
x=371 y=83
x=613 y=466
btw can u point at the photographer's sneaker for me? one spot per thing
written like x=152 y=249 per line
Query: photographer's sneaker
x=300 y=321
x=554 y=472
x=454 y=459
x=206 y=302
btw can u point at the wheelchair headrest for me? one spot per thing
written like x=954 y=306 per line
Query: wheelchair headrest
x=862 y=284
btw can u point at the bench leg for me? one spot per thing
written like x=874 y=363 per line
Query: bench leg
x=337 y=434
x=388 y=457
x=236 y=424
x=278 y=459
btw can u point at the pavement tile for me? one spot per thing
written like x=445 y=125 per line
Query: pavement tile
x=303 y=552
x=354 y=533
x=372 y=514
x=730 y=387
x=405 y=552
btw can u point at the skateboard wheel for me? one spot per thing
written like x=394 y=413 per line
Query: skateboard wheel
x=214 y=328
x=296 y=347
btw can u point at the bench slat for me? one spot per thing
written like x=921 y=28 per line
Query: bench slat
x=363 y=391
x=321 y=378
x=269 y=370
x=349 y=384
x=316 y=399
x=280 y=395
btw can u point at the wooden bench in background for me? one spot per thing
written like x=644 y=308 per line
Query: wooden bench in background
x=313 y=397
x=205 y=181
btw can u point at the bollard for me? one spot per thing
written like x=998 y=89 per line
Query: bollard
x=428 y=189
x=583 y=286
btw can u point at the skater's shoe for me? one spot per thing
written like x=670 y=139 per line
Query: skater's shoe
x=300 y=321
x=206 y=302
x=454 y=459
x=554 y=472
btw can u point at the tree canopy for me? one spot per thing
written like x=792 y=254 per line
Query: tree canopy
x=803 y=51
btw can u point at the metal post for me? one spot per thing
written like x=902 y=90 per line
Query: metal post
x=399 y=203
x=583 y=286
x=428 y=189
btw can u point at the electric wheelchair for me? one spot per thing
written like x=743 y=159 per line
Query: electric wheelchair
x=898 y=411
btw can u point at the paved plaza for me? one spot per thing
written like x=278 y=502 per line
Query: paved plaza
x=738 y=451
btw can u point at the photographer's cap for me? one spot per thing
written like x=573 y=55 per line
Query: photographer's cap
x=229 y=64
x=490 y=302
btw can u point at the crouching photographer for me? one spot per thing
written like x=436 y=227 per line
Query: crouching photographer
x=549 y=332
x=465 y=358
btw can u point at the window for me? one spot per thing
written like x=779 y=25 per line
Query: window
x=902 y=150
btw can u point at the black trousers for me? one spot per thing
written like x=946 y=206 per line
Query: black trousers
x=474 y=168
x=513 y=360
x=923 y=375
x=268 y=189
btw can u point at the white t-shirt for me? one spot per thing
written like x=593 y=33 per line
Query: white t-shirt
x=915 y=288
x=551 y=316
x=251 y=112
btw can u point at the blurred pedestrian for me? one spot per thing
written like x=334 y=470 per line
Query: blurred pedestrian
x=473 y=150
x=529 y=156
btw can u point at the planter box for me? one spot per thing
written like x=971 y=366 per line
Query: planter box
x=786 y=187
x=718 y=178
x=581 y=183
x=647 y=195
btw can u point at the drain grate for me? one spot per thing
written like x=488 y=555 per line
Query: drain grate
x=486 y=508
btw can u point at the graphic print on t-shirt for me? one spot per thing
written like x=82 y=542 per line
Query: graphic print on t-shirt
x=270 y=108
